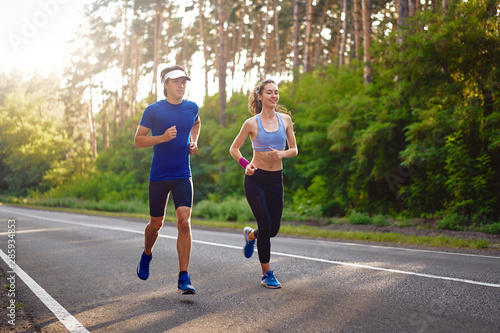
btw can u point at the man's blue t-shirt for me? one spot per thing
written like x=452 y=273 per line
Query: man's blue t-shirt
x=170 y=159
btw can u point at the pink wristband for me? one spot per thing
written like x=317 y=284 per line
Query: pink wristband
x=244 y=162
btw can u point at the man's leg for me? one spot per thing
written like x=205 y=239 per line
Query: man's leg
x=184 y=244
x=150 y=237
x=151 y=233
x=158 y=197
x=184 y=238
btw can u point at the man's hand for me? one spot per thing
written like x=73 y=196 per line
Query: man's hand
x=193 y=148
x=170 y=134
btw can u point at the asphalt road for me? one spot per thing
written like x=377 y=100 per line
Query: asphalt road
x=76 y=273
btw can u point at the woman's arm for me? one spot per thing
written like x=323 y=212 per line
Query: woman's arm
x=234 y=150
x=292 y=150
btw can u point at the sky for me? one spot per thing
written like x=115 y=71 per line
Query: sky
x=35 y=33
x=35 y=36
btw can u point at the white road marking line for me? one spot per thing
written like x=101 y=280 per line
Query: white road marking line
x=417 y=250
x=389 y=270
x=283 y=254
x=342 y=243
x=70 y=322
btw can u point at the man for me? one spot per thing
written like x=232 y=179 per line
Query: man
x=175 y=127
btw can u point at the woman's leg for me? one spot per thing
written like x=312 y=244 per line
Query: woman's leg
x=256 y=198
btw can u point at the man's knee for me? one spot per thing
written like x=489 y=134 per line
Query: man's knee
x=156 y=222
x=184 y=226
x=183 y=220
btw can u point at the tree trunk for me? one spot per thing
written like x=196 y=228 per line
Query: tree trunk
x=241 y=30
x=254 y=45
x=296 y=28
x=267 y=45
x=344 y=34
x=309 y=20
x=203 y=43
x=318 y=45
x=403 y=13
x=234 y=51
x=222 y=63
x=277 y=37
x=93 y=143
x=412 y=7
x=334 y=44
x=358 y=31
x=367 y=71
x=124 y=66
x=135 y=62
x=105 y=128
x=158 y=24
x=169 y=17
x=185 y=39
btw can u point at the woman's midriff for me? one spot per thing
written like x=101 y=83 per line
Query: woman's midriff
x=263 y=161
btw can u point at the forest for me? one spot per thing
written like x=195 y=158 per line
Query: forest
x=395 y=103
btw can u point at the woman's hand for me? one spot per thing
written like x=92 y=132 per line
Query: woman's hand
x=275 y=154
x=250 y=169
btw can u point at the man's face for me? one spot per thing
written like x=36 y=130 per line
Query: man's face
x=176 y=88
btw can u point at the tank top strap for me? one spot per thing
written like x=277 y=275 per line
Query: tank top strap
x=280 y=120
x=259 y=121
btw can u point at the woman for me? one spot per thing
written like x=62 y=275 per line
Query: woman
x=269 y=129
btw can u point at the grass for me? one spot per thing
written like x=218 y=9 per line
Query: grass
x=389 y=237
x=312 y=232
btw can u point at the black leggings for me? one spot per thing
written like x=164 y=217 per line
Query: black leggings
x=264 y=192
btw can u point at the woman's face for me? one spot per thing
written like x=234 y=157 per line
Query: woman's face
x=270 y=95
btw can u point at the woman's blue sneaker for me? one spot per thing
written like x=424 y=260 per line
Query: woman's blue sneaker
x=143 y=267
x=249 y=245
x=269 y=280
x=184 y=285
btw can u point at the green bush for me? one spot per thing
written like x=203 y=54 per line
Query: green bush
x=492 y=228
x=235 y=209
x=230 y=209
x=206 y=209
x=359 y=218
x=451 y=222
x=380 y=221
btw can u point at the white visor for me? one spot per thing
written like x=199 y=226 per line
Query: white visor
x=175 y=74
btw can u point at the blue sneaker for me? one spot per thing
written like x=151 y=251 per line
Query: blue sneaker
x=184 y=285
x=269 y=281
x=143 y=267
x=249 y=245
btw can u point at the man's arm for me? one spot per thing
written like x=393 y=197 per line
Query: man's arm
x=195 y=134
x=195 y=131
x=143 y=140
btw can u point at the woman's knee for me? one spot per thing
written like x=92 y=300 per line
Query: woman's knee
x=275 y=230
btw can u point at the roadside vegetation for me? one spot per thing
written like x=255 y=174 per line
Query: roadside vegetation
x=235 y=214
x=417 y=146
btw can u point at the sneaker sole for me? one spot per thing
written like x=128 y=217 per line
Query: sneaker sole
x=187 y=292
x=271 y=287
